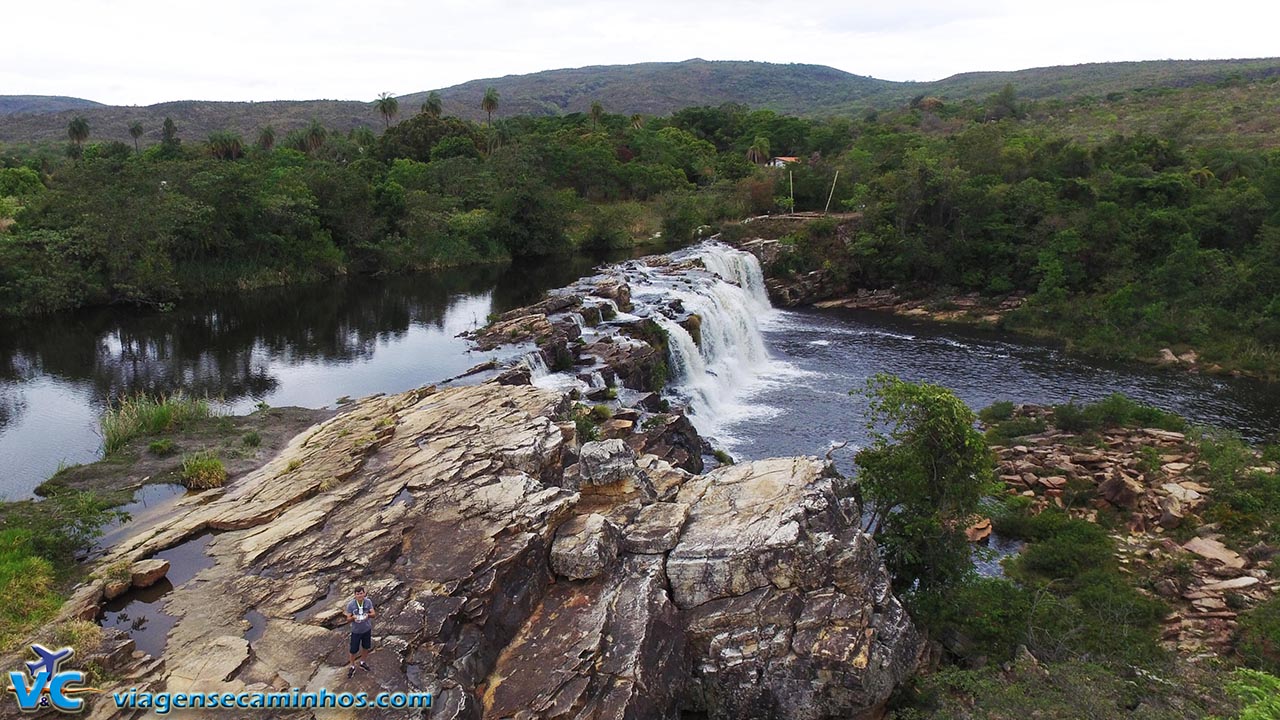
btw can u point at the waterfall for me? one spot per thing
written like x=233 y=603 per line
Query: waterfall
x=711 y=374
x=710 y=300
x=738 y=267
x=537 y=366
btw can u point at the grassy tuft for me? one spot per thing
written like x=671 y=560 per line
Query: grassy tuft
x=202 y=471
x=143 y=415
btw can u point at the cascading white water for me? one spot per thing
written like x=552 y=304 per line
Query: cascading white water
x=537 y=366
x=740 y=268
x=712 y=374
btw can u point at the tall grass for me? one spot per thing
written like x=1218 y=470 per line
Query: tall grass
x=202 y=471
x=141 y=415
x=28 y=593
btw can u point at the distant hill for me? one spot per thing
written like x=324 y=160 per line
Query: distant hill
x=11 y=104
x=195 y=119
x=646 y=88
x=662 y=88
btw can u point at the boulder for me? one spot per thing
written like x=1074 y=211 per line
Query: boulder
x=607 y=462
x=146 y=573
x=585 y=547
x=1171 y=513
x=115 y=588
x=617 y=291
x=1121 y=491
x=634 y=363
x=672 y=437
x=1214 y=550
x=656 y=528
x=789 y=609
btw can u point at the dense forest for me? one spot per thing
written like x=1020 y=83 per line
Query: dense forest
x=1123 y=244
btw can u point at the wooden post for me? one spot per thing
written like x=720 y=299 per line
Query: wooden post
x=791 y=178
x=832 y=193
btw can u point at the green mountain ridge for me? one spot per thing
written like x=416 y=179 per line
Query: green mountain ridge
x=15 y=104
x=644 y=88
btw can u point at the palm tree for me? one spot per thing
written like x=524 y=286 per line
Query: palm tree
x=758 y=153
x=387 y=106
x=434 y=106
x=1201 y=175
x=135 y=132
x=597 y=112
x=490 y=102
x=225 y=145
x=267 y=138
x=637 y=121
x=314 y=136
x=78 y=130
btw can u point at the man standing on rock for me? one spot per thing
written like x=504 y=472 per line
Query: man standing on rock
x=360 y=614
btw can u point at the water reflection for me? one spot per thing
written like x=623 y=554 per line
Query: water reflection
x=284 y=346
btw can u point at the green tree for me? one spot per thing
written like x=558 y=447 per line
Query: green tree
x=78 y=130
x=225 y=145
x=169 y=142
x=923 y=476
x=597 y=113
x=135 y=132
x=313 y=137
x=758 y=153
x=489 y=104
x=266 y=138
x=433 y=106
x=387 y=107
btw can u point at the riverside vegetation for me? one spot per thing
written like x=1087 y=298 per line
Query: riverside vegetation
x=1121 y=244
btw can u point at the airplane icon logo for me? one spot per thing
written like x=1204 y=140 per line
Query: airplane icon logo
x=44 y=683
x=49 y=660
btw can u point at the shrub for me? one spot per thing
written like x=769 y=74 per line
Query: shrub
x=980 y=617
x=996 y=412
x=202 y=471
x=1261 y=693
x=600 y=413
x=1258 y=638
x=587 y=429
x=1066 y=549
x=723 y=457
x=144 y=415
x=162 y=447
x=1071 y=417
x=1115 y=410
x=1008 y=430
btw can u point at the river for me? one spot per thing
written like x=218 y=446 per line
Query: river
x=773 y=382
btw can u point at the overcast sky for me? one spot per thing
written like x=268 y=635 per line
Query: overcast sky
x=145 y=51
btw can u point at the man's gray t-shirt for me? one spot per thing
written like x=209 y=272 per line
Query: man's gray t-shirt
x=360 y=623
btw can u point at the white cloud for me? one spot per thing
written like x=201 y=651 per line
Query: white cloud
x=146 y=51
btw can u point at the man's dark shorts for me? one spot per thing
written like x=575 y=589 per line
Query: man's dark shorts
x=361 y=640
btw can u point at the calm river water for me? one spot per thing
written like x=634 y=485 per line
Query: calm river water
x=309 y=346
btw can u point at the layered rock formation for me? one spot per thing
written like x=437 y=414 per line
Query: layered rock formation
x=513 y=580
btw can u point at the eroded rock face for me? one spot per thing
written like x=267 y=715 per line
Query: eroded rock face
x=585 y=547
x=746 y=593
x=789 y=610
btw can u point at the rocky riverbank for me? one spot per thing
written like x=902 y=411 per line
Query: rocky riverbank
x=1150 y=486
x=520 y=572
